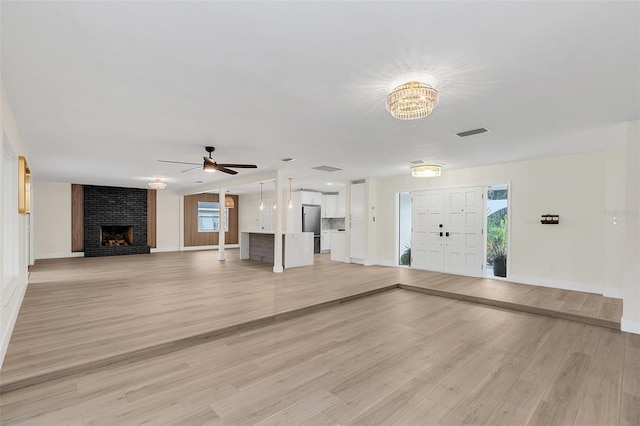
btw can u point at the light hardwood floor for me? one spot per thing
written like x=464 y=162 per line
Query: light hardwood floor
x=397 y=357
x=81 y=311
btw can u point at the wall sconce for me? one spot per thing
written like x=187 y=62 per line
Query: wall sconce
x=290 y=203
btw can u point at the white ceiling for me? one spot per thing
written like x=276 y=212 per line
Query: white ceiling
x=102 y=90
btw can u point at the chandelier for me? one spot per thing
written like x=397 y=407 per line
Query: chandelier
x=157 y=184
x=426 y=170
x=412 y=100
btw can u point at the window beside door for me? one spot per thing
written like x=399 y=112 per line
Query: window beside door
x=497 y=230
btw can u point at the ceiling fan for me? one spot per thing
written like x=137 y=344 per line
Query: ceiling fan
x=210 y=164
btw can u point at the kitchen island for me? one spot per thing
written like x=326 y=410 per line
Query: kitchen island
x=297 y=247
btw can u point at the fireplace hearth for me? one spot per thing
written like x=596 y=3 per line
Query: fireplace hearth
x=115 y=236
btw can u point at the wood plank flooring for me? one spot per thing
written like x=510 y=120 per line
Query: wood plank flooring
x=394 y=358
x=80 y=312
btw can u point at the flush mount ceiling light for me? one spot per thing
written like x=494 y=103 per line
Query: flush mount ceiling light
x=157 y=184
x=412 y=96
x=425 y=170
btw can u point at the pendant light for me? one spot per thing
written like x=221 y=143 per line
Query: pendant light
x=261 y=202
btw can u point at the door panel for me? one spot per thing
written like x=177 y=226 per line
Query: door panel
x=457 y=215
x=419 y=230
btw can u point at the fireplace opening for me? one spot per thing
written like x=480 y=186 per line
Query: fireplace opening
x=113 y=236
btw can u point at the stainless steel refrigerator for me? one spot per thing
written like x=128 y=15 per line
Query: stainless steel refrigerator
x=311 y=223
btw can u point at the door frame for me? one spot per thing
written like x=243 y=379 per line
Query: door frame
x=484 y=186
x=484 y=272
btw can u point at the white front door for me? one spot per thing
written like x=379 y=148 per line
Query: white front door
x=447 y=231
x=463 y=233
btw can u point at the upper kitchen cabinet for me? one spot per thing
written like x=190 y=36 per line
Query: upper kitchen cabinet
x=309 y=197
x=330 y=206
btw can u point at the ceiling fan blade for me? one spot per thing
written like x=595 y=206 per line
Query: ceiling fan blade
x=191 y=168
x=239 y=166
x=225 y=170
x=176 y=162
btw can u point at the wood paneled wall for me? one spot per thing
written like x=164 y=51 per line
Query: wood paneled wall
x=77 y=218
x=191 y=235
x=152 y=195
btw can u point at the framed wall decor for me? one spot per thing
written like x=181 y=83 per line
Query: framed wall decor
x=24 y=186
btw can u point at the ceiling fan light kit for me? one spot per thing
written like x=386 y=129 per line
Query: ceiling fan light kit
x=210 y=165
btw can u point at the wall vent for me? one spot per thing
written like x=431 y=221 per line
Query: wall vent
x=472 y=132
x=326 y=168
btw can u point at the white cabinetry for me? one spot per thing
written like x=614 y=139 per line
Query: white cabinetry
x=358 y=223
x=309 y=197
x=325 y=241
x=338 y=246
x=330 y=206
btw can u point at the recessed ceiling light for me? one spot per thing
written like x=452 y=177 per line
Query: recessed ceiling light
x=288 y=160
x=199 y=181
x=329 y=183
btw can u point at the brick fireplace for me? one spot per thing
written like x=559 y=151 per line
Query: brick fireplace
x=115 y=221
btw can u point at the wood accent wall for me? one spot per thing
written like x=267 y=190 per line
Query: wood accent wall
x=152 y=196
x=77 y=218
x=191 y=235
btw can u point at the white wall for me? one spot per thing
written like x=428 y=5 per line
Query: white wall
x=9 y=313
x=52 y=219
x=570 y=255
x=249 y=212
x=168 y=221
x=631 y=219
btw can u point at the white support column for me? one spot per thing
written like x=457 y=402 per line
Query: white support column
x=280 y=211
x=223 y=220
x=631 y=267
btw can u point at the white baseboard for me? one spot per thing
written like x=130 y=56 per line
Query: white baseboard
x=59 y=255
x=228 y=246
x=630 y=326
x=561 y=284
x=614 y=293
x=4 y=344
x=164 y=249
x=358 y=261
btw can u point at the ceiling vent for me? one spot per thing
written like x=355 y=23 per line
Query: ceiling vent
x=326 y=168
x=472 y=132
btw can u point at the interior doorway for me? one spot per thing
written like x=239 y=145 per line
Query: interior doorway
x=497 y=231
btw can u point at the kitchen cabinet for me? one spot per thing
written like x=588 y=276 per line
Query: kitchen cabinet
x=310 y=197
x=338 y=246
x=325 y=241
x=330 y=206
